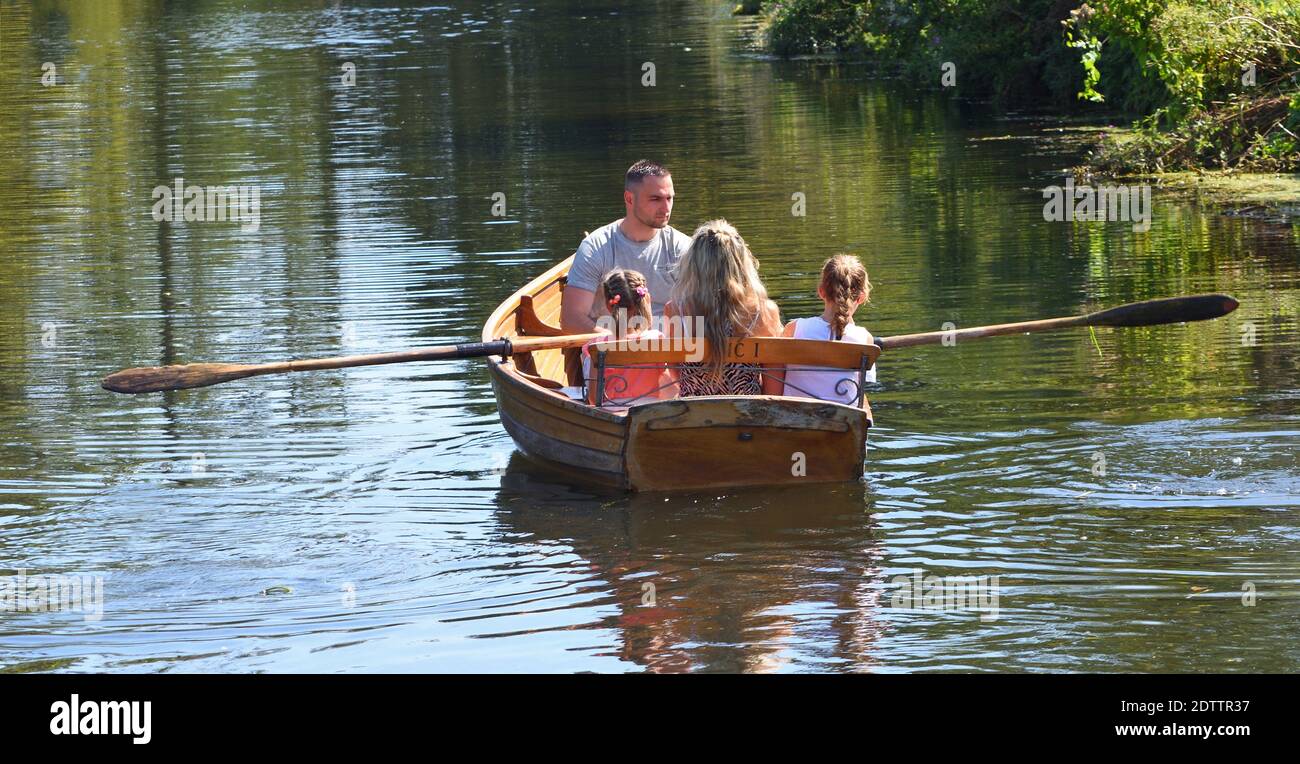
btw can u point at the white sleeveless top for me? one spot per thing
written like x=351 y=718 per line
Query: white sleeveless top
x=821 y=384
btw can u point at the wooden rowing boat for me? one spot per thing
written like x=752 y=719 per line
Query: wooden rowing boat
x=679 y=443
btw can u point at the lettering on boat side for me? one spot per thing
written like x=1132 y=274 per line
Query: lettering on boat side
x=948 y=593
x=745 y=350
x=105 y=717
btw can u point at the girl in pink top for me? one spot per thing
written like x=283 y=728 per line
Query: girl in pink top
x=624 y=314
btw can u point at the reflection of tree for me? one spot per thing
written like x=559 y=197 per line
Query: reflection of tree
x=149 y=92
x=736 y=587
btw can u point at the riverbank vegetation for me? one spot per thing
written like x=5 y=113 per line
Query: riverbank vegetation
x=1209 y=84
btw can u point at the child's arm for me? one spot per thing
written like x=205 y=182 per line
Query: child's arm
x=668 y=386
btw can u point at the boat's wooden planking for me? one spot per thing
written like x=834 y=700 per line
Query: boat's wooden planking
x=734 y=441
x=551 y=431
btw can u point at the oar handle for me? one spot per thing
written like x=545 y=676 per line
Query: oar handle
x=1166 y=310
x=155 y=379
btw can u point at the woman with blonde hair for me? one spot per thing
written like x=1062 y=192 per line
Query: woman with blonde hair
x=717 y=288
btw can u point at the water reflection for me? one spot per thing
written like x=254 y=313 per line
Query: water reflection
x=739 y=582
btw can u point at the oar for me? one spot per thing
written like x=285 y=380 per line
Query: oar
x=1168 y=310
x=158 y=378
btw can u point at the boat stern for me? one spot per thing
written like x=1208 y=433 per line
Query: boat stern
x=715 y=441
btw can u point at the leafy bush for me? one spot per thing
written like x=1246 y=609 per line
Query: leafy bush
x=1175 y=58
x=1214 y=82
x=1008 y=49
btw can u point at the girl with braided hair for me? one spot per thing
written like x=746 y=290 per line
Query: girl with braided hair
x=844 y=288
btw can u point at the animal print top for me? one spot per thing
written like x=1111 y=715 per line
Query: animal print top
x=737 y=378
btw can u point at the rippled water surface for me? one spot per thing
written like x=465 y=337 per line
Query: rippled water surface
x=1133 y=493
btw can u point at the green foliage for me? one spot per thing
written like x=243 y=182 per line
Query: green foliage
x=1006 y=49
x=1211 y=78
x=1206 y=78
x=1190 y=54
x=795 y=27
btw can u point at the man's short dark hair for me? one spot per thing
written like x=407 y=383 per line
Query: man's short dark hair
x=642 y=170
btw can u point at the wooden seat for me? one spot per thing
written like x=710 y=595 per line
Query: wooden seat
x=528 y=323
x=767 y=351
x=773 y=354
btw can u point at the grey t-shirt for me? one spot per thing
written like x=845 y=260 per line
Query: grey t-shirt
x=608 y=248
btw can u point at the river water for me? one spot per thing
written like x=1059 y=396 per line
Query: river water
x=1134 y=494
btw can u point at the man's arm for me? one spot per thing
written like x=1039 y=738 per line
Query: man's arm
x=579 y=296
x=575 y=310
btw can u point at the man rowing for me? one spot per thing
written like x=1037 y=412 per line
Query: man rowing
x=640 y=241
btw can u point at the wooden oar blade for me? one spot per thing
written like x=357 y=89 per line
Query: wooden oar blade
x=1168 y=310
x=155 y=379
